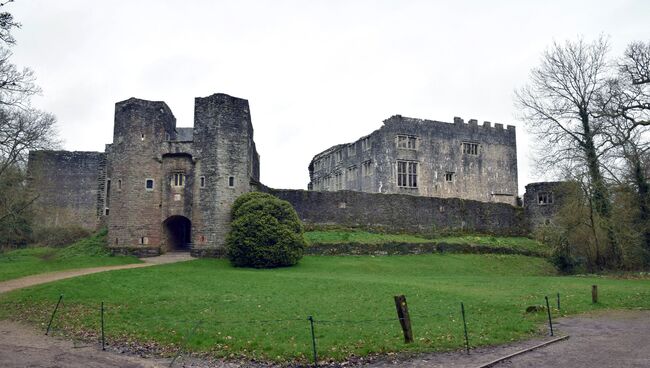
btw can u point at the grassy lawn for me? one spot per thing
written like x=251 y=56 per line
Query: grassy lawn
x=262 y=314
x=88 y=252
x=364 y=237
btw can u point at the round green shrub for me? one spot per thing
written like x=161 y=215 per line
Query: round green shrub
x=248 y=197
x=265 y=232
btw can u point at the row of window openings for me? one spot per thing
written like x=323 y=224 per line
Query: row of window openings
x=168 y=137
x=366 y=145
x=407 y=175
x=403 y=141
x=544 y=198
x=366 y=170
x=178 y=180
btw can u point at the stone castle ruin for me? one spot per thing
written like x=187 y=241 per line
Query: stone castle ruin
x=156 y=188
x=159 y=188
x=425 y=158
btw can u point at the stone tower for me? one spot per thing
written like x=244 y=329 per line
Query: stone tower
x=171 y=188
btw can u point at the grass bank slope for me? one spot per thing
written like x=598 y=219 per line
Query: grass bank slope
x=262 y=314
x=363 y=237
x=88 y=252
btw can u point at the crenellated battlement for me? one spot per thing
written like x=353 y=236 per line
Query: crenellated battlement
x=486 y=124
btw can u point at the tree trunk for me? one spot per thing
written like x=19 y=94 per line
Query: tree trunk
x=643 y=189
x=599 y=192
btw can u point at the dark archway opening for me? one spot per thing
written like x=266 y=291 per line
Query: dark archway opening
x=179 y=233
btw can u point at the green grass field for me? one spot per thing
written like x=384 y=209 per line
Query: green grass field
x=364 y=237
x=262 y=314
x=88 y=252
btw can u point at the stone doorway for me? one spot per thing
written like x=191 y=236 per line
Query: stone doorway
x=178 y=233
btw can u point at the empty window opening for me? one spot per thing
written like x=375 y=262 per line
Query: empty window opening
x=144 y=240
x=406 y=142
x=231 y=181
x=106 y=211
x=142 y=137
x=352 y=173
x=119 y=184
x=470 y=148
x=544 y=198
x=366 y=144
x=178 y=180
x=338 y=180
x=148 y=184
x=366 y=168
x=117 y=241
x=108 y=193
x=202 y=181
x=449 y=176
x=407 y=174
x=167 y=137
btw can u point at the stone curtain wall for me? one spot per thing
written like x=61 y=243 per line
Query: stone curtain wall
x=67 y=184
x=404 y=213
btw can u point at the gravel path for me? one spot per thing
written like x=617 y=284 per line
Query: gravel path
x=605 y=339
x=613 y=339
x=22 y=346
x=43 y=278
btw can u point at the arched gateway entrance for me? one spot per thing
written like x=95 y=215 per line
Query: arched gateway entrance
x=178 y=233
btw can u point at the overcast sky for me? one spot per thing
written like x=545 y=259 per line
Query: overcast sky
x=316 y=73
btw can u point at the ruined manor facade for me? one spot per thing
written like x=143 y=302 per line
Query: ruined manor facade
x=157 y=187
x=160 y=188
x=424 y=158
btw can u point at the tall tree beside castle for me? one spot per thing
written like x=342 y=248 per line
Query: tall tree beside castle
x=22 y=128
x=626 y=110
x=590 y=118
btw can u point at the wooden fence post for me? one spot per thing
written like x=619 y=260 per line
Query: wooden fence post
x=404 y=319
x=594 y=294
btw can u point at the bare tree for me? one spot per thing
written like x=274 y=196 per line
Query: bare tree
x=22 y=128
x=558 y=106
x=22 y=131
x=625 y=107
x=16 y=86
x=7 y=23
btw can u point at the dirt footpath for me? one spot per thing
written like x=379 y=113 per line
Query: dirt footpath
x=43 y=278
x=613 y=339
x=21 y=346
x=605 y=339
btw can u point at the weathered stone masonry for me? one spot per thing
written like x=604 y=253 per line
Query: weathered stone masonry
x=68 y=187
x=404 y=213
x=160 y=188
x=425 y=158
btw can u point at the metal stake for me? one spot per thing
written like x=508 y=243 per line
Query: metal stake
x=102 y=317
x=187 y=338
x=548 y=310
x=558 y=301
x=313 y=340
x=462 y=311
x=53 y=313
